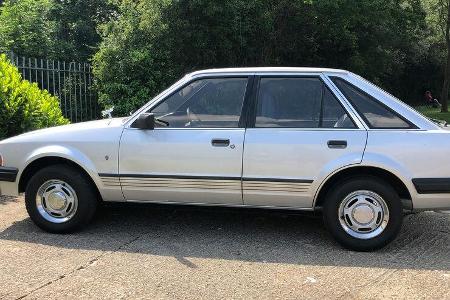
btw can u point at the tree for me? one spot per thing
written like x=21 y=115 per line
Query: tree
x=57 y=29
x=26 y=29
x=151 y=43
x=444 y=17
x=438 y=17
x=76 y=21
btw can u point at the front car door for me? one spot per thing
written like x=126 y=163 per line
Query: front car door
x=300 y=133
x=195 y=153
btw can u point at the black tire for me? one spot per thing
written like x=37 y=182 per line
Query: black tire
x=85 y=192
x=340 y=191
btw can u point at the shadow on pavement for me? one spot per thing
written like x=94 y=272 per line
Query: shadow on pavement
x=244 y=235
x=6 y=199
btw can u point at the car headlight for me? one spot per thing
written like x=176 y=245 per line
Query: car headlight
x=1 y=160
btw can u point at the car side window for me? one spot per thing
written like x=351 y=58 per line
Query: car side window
x=205 y=103
x=375 y=113
x=295 y=102
x=333 y=114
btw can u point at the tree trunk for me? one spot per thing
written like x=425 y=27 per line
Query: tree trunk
x=445 y=86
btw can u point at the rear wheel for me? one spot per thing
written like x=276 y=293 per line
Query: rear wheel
x=363 y=213
x=60 y=199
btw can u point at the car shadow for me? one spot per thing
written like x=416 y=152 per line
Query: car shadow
x=243 y=234
x=6 y=199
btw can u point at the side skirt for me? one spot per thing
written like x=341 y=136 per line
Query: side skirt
x=225 y=205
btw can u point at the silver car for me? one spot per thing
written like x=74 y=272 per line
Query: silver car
x=279 y=138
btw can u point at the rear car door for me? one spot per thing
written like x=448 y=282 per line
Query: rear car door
x=195 y=154
x=299 y=133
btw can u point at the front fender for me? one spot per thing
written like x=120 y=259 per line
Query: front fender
x=66 y=152
x=79 y=157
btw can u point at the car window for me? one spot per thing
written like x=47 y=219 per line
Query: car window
x=334 y=115
x=299 y=103
x=205 y=103
x=375 y=113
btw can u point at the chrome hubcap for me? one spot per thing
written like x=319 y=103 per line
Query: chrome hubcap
x=56 y=201
x=363 y=214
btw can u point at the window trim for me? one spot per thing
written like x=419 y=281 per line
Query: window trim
x=251 y=120
x=194 y=79
x=372 y=98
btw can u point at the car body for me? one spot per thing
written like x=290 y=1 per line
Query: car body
x=261 y=155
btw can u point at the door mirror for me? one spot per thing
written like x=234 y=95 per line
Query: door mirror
x=145 y=122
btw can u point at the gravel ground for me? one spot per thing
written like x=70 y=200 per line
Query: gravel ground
x=169 y=252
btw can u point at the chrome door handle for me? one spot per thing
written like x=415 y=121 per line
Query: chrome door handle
x=220 y=142
x=335 y=144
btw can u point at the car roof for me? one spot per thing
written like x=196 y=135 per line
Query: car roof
x=257 y=70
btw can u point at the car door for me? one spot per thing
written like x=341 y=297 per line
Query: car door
x=300 y=132
x=194 y=155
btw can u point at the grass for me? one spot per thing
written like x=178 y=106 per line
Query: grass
x=434 y=113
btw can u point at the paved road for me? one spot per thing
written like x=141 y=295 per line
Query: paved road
x=160 y=252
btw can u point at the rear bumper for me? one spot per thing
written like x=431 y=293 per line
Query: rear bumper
x=423 y=202
x=432 y=194
x=8 y=174
x=432 y=185
x=8 y=185
x=9 y=189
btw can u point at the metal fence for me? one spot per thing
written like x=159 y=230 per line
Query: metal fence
x=71 y=82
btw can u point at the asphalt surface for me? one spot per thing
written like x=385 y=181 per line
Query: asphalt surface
x=169 y=252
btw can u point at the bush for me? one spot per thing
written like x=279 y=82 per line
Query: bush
x=23 y=106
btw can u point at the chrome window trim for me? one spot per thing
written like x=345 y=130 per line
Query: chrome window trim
x=259 y=128
x=305 y=129
x=203 y=75
x=198 y=76
x=359 y=122
x=193 y=128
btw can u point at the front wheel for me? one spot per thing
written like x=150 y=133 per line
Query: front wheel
x=363 y=213
x=60 y=199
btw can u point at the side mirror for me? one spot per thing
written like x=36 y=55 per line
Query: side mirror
x=145 y=121
x=107 y=113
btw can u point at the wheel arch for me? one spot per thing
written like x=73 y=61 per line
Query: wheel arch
x=45 y=161
x=343 y=174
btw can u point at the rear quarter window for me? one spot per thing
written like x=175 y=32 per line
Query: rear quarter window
x=375 y=114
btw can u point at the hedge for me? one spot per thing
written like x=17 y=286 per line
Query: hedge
x=23 y=106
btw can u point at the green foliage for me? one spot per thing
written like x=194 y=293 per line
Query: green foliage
x=76 y=36
x=145 y=45
x=25 y=27
x=57 y=29
x=23 y=106
x=151 y=43
x=438 y=15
